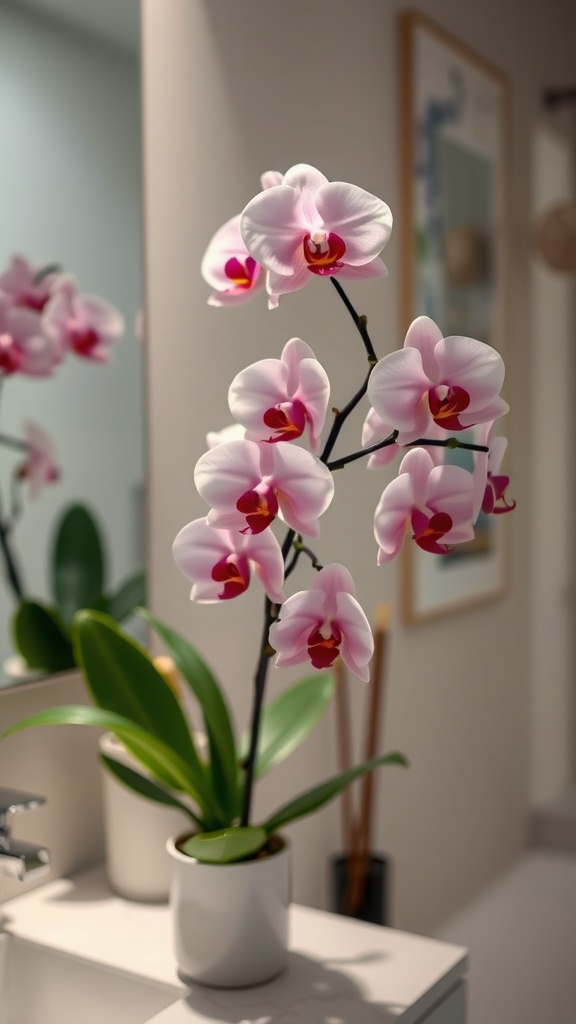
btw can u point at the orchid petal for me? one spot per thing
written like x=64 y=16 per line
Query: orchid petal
x=363 y=220
x=265 y=552
x=305 y=487
x=224 y=473
x=272 y=226
x=367 y=271
x=357 y=645
x=397 y=388
x=472 y=365
x=375 y=429
x=271 y=178
x=392 y=517
x=423 y=335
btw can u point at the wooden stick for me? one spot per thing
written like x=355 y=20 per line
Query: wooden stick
x=344 y=746
x=360 y=860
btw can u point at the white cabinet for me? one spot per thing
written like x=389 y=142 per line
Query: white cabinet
x=341 y=971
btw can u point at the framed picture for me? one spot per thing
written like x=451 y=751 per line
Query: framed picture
x=454 y=130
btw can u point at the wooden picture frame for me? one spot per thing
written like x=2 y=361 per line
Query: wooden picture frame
x=454 y=164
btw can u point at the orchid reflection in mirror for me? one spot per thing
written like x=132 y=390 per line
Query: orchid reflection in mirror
x=42 y=631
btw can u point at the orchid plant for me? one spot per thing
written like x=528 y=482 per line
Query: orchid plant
x=434 y=395
x=43 y=319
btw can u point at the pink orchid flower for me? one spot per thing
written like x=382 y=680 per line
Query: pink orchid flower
x=495 y=501
x=489 y=485
x=453 y=382
x=309 y=226
x=84 y=324
x=248 y=484
x=227 y=266
x=277 y=399
x=25 y=285
x=323 y=622
x=434 y=502
x=229 y=269
x=39 y=467
x=24 y=348
x=219 y=562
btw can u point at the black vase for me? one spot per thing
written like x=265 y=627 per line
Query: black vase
x=372 y=897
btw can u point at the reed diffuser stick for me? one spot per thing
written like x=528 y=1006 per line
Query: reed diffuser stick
x=359 y=860
x=344 y=747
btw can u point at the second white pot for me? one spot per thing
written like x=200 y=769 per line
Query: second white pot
x=136 y=831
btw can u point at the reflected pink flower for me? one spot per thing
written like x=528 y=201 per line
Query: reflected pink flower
x=26 y=286
x=24 y=348
x=435 y=502
x=83 y=324
x=323 y=622
x=453 y=382
x=277 y=399
x=309 y=226
x=219 y=562
x=39 y=468
x=248 y=484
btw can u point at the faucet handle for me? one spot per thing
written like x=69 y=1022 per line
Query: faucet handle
x=12 y=801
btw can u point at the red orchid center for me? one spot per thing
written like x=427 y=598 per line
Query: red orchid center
x=287 y=419
x=234 y=574
x=323 y=650
x=323 y=252
x=260 y=509
x=11 y=356
x=446 y=403
x=83 y=340
x=34 y=299
x=429 y=530
x=241 y=274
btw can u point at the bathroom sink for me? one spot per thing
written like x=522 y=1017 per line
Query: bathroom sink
x=39 y=985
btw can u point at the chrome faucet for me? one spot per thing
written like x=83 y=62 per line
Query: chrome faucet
x=17 y=858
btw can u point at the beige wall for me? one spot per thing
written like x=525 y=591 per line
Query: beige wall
x=233 y=89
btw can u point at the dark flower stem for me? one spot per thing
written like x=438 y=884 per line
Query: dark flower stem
x=422 y=442
x=266 y=652
x=271 y=610
x=12 y=573
x=14 y=442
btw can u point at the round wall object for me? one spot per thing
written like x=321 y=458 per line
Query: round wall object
x=556 y=237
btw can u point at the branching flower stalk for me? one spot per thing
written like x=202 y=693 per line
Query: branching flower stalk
x=293 y=543
x=299 y=227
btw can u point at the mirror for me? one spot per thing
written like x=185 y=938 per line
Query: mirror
x=70 y=183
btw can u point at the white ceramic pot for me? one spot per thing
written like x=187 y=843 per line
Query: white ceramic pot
x=136 y=832
x=230 y=921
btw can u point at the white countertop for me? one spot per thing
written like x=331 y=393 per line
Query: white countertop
x=340 y=970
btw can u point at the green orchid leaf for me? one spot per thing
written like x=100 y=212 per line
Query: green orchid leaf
x=77 y=562
x=226 y=845
x=41 y=639
x=217 y=719
x=156 y=757
x=129 y=595
x=289 y=719
x=122 y=679
x=315 y=798
x=144 y=786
